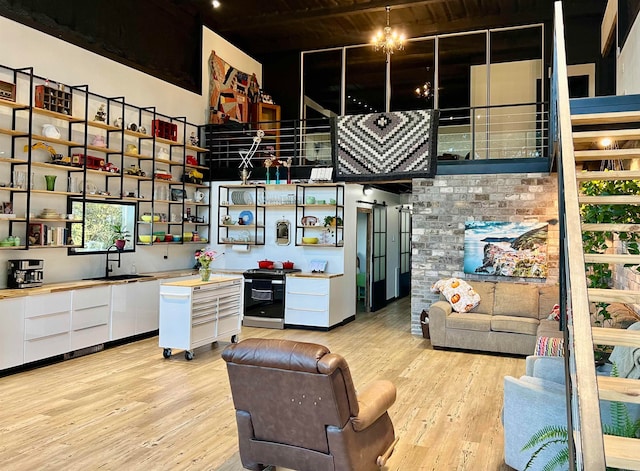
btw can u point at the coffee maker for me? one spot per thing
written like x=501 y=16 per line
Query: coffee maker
x=27 y=273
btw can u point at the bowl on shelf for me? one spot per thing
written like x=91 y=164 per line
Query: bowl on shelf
x=187 y=236
x=145 y=239
x=309 y=240
x=168 y=237
x=148 y=218
x=177 y=238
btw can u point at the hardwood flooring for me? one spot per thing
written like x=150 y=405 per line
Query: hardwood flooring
x=127 y=408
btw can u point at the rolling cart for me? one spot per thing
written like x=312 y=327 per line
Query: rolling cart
x=195 y=313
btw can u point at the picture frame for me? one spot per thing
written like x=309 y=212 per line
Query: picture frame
x=178 y=194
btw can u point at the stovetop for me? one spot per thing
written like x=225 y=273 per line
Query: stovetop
x=269 y=272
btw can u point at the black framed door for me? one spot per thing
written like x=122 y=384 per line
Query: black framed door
x=404 y=227
x=379 y=258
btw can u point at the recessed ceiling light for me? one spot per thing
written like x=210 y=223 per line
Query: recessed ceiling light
x=215 y=3
x=605 y=142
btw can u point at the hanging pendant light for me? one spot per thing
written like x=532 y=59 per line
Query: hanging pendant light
x=388 y=40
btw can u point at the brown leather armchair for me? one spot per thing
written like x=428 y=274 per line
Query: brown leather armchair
x=296 y=407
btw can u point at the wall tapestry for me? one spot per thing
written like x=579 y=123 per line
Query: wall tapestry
x=506 y=248
x=231 y=91
x=386 y=146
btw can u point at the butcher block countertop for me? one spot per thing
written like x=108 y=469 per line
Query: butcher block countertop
x=314 y=275
x=81 y=284
x=194 y=282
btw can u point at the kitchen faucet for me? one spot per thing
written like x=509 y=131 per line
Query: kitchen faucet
x=108 y=268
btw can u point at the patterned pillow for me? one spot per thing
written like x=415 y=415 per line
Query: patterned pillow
x=555 y=313
x=549 y=347
x=459 y=293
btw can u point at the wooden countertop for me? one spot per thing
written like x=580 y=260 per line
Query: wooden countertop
x=192 y=282
x=81 y=284
x=315 y=275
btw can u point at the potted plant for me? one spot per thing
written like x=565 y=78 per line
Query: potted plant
x=120 y=235
x=332 y=221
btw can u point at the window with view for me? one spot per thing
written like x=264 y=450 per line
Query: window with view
x=104 y=222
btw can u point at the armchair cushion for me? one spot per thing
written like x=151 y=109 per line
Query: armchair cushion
x=373 y=401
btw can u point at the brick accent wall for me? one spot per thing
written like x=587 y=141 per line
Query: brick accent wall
x=441 y=206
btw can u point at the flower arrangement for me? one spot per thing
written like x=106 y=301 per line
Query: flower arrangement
x=205 y=256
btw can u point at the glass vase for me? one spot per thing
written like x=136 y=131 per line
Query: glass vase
x=277 y=175
x=205 y=273
x=268 y=179
x=289 y=175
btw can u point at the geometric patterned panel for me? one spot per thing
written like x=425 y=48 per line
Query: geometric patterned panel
x=386 y=146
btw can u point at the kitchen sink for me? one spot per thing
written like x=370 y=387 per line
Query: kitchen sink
x=119 y=277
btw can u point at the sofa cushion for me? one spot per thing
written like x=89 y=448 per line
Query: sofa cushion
x=486 y=290
x=458 y=292
x=469 y=321
x=549 y=328
x=516 y=325
x=549 y=296
x=516 y=299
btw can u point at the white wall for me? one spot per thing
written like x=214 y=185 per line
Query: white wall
x=72 y=65
x=628 y=63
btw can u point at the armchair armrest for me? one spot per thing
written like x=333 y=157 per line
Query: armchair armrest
x=438 y=313
x=373 y=401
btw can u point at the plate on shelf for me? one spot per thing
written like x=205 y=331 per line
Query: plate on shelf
x=237 y=197
x=247 y=217
x=247 y=197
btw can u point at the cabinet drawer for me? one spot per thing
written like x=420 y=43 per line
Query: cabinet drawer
x=91 y=317
x=90 y=297
x=46 y=326
x=48 y=304
x=46 y=347
x=89 y=337
x=308 y=301
x=228 y=325
x=306 y=317
x=205 y=332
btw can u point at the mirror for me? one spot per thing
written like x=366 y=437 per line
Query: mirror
x=282 y=232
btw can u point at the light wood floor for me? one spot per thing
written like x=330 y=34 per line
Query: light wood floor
x=127 y=408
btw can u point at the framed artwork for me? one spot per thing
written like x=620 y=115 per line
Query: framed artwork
x=7 y=207
x=517 y=249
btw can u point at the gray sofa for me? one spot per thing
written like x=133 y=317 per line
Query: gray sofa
x=509 y=318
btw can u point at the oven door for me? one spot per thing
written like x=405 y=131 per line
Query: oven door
x=264 y=303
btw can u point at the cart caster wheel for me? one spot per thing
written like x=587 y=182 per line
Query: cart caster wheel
x=188 y=355
x=234 y=339
x=166 y=353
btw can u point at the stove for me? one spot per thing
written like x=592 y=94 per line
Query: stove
x=264 y=297
x=269 y=273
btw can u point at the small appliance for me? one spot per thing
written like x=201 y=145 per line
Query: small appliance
x=27 y=273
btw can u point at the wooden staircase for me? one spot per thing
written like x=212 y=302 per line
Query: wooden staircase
x=624 y=129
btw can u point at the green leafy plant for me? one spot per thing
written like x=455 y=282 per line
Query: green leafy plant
x=119 y=232
x=621 y=426
x=598 y=242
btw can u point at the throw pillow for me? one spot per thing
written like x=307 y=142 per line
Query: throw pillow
x=549 y=347
x=555 y=313
x=459 y=293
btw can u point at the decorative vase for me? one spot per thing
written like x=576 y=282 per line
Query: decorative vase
x=205 y=273
x=51 y=182
x=268 y=179
x=277 y=175
x=289 y=175
x=120 y=243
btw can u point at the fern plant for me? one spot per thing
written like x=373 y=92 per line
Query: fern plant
x=621 y=425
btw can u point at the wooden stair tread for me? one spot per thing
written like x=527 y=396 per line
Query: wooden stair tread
x=612 y=258
x=622 y=452
x=606 y=154
x=611 y=388
x=611 y=227
x=612 y=199
x=613 y=296
x=609 y=175
x=609 y=336
x=605 y=118
x=615 y=134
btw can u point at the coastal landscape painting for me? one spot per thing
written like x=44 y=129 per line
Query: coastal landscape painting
x=517 y=249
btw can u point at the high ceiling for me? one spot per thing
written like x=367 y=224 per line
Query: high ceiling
x=262 y=27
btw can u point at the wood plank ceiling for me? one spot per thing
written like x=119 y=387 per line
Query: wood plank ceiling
x=276 y=26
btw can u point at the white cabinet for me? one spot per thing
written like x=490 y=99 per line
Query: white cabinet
x=47 y=324
x=90 y=317
x=134 y=308
x=195 y=313
x=312 y=301
x=11 y=332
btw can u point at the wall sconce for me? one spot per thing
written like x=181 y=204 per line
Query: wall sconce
x=367 y=190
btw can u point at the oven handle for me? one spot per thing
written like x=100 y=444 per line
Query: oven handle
x=273 y=282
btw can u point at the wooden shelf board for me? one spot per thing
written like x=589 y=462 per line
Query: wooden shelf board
x=137 y=156
x=11 y=132
x=47 y=192
x=64 y=142
x=14 y=161
x=104 y=150
x=196 y=148
x=66 y=168
x=56 y=115
x=12 y=104
x=103 y=125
